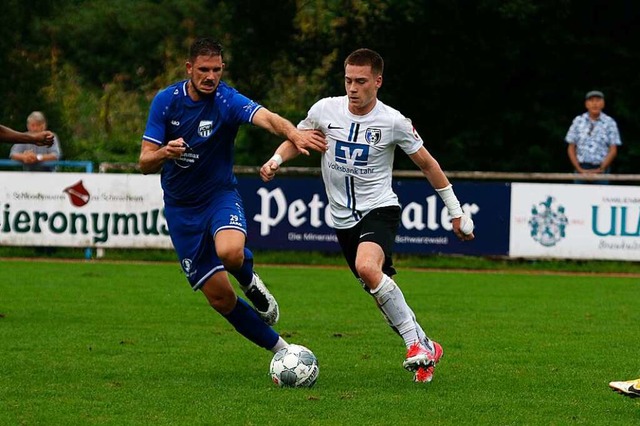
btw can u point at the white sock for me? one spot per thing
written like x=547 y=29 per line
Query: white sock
x=281 y=343
x=424 y=339
x=395 y=308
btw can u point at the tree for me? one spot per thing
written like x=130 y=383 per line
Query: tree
x=490 y=84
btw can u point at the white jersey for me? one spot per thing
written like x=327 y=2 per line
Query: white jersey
x=358 y=164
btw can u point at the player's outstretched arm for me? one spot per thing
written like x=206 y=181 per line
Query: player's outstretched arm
x=303 y=140
x=285 y=152
x=462 y=225
x=153 y=156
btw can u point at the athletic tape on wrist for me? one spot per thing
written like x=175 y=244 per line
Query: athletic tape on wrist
x=450 y=201
x=277 y=158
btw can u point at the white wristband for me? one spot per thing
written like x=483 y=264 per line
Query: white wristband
x=277 y=158
x=39 y=157
x=450 y=201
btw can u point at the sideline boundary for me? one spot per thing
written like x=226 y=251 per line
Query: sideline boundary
x=301 y=266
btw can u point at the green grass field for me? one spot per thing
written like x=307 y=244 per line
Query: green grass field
x=130 y=344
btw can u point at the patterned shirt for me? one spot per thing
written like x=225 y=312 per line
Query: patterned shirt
x=593 y=138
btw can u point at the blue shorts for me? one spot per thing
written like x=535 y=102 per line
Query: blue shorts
x=192 y=229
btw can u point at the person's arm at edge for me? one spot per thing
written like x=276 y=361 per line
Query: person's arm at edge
x=9 y=135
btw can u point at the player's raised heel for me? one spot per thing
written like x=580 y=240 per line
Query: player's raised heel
x=417 y=356
x=425 y=374
x=262 y=300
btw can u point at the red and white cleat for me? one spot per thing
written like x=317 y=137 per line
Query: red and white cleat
x=425 y=374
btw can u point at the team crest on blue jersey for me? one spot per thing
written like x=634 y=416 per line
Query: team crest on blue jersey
x=205 y=128
x=372 y=135
x=355 y=154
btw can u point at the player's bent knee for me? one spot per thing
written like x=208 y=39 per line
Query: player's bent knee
x=368 y=272
x=231 y=259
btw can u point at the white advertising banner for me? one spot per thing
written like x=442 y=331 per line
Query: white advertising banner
x=82 y=210
x=575 y=221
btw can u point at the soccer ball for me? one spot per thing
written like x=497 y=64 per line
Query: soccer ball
x=294 y=366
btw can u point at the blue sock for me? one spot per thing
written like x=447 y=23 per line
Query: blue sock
x=244 y=275
x=247 y=322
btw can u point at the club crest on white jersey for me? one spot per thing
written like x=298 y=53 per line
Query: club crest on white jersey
x=373 y=135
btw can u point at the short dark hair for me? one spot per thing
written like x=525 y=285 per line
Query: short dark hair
x=205 y=46
x=364 y=57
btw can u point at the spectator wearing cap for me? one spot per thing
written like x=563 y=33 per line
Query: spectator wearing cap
x=593 y=139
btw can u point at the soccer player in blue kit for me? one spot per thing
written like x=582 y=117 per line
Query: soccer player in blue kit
x=190 y=136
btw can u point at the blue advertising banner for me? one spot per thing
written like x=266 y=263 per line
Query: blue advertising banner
x=291 y=213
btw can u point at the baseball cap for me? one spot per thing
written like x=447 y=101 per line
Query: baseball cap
x=594 y=93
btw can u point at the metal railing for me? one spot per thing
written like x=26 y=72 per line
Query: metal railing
x=506 y=176
x=86 y=165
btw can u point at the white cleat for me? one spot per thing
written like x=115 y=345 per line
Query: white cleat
x=629 y=388
x=263 y=301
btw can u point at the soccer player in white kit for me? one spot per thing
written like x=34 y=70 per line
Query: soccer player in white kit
x=362 y=133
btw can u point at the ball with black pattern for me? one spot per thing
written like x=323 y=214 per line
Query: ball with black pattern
x=294 y=366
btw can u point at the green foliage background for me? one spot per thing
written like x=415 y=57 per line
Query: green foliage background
x=490 y=85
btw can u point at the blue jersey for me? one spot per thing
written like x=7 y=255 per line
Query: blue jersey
x=209 y=128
